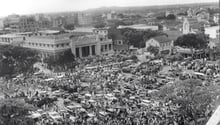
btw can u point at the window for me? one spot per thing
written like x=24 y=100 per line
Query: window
x=57 y=45
x=110 y=46
x=102 y=48
x=62 y=45
x=106 y=47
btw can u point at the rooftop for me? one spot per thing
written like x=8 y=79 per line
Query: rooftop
x=49 y=31
x=161 y=39
x=10 y=36
x=173 y=34
x=139 y=26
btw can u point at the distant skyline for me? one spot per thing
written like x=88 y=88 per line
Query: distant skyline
x=46 y=6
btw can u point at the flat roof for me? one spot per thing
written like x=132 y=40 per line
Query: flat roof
x=10 y=36
x=84 y=29
x=138 y=26
x=49 y=31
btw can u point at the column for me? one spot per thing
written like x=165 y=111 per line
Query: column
x=90 y=50
x=80 y=52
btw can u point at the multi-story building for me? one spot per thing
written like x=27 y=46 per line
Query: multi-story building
x=12 y=23
x=191 y=25
x=12 y=39
x=84 y=19
x=58 y=22
x=27 y=24
x=213 y=32
x=16 y=23
x=48 y=42
x=216 y=18
x=140 y=27
x=203 y=16
x=164 y=44
x=95 y=44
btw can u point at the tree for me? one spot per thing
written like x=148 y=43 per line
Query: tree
x=138 y=38
x=153 y=50
x=16 y=60
x=66 y=58
x=15 y=112
x=69 y=26
x=194 y=41
x=100 y=25
x=192 y=97
x=171 y=17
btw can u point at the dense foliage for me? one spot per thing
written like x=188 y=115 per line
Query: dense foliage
x=138 y=38
x=69 y=26
x=15 y=112
x=193 y=99
x=63 y=59
x=15 y=60
x=195 y=41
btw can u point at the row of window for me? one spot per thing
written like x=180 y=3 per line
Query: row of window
x=106 y=47
x=165 y=44
x=48 y=45
x=6 y=40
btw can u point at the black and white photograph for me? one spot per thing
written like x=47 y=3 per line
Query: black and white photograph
x=109 y=62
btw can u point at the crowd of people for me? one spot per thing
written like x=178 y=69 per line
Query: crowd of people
x=114 y=90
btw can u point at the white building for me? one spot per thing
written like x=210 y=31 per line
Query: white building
x=216 y=18
x=164 y=43
x=139 y=27
x=213 y=32
x=48 y=43
x=11 y=39
x=95 y=44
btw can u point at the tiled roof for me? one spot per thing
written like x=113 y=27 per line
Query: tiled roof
x=173 y=34
x=161 y=39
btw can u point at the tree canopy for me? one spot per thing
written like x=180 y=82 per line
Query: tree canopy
x=138 y=38
x=61 y=60
x=15 y=112
x=195 y=41
x=16 y=60
x=69 y=26
x=194 y=100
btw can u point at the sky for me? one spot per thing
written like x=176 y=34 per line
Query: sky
x=43 y=6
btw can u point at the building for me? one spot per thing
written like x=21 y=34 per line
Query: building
x=95 y=44
x=1 y=24
x=58 y=22
x=47 y=42
x=12 y=23
x=191 y=25
x=213 y=32
x=203 y=16
x=164 y=43
x=16 y=23
x=84 y=19
x=140 y=27
x=119 y=44
x=12 y=39
x=27 y=24
x=216 y=18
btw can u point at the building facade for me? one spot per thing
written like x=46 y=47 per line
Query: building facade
x=47 y=43
x=95 y=44
x=84 y=19
x=11 y=39
x=164 y=43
